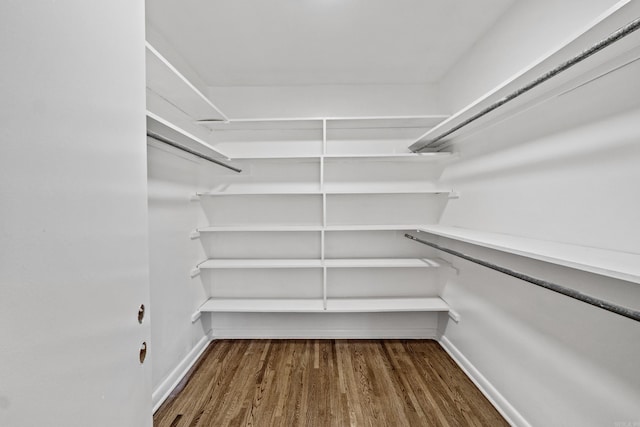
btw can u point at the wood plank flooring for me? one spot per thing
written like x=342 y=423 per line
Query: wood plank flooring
x=326 y=383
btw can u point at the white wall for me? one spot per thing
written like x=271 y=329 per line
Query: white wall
x=73 y=252
x=325 y=100
x=173 y=177
x=557 y=361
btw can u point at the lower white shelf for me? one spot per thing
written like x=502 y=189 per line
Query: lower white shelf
x=353 y=305
x=334 y=305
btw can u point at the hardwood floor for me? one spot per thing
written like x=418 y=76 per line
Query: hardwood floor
x=326 y=383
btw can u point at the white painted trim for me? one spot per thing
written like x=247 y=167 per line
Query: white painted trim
x=165 y=388
x=503 y=406
x=418 y=333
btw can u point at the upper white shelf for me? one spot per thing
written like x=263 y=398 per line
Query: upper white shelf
x=619 y=265
x=396 y=157
x=316 y=123
x=372 y=227
x=611 y=58
x=168 y=130
x=383 y=188
x=288 y=228
x=329 y=189
x=166 y=81
x=317 y=263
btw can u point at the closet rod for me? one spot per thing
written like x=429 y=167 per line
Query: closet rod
x=612 y=38
x=190 y=151
x=571 y=293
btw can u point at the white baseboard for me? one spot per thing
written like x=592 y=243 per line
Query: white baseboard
x=165 y=388
x=418 y=333
x=503 y=406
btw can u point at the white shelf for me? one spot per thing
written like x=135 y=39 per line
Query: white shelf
x=336 y=305
x=356 y=305
x=360 y=189
x=585 y=72
x=261 y=228
x=398 y=157
x=619 y=265
x=167 y=82
x=391 y=189
x=260 y=263
x=375 y=227
x=317 y=263
x=275 y=228
x=262 y=305
x=381 y=263
x=247 y=192
x=167 y=129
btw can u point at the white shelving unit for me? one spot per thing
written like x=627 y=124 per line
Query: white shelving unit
x=323 y=232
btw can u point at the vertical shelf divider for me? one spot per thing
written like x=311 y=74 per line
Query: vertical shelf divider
x=324 y=214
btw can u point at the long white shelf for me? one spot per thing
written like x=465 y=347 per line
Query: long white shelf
x=166 y=81
x=374 y=227
x=167 y=129
x=335 y=305
x=380 y=263
x=277 y=228
x=355 y=305
x=396 y=157
x=335 y=191
x=248 y=192
x=260 y=263
x=589 y=70
x=261 y=228
x=263 y=305
x=331 y=188
x=317 y=263
x=619 y=265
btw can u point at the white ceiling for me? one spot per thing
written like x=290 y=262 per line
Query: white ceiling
x=312 y=42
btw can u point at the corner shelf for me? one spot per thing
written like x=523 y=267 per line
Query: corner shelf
x=614 y=264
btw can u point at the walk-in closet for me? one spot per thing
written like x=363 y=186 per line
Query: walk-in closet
x=320 y=213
